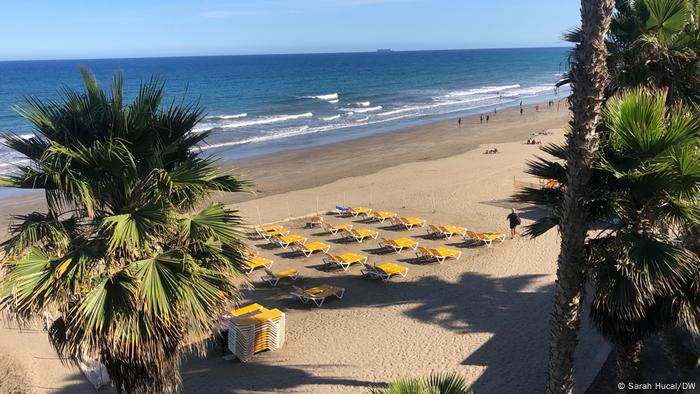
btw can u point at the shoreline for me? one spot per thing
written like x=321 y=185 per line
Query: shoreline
x=296 y=169
x=372 y=153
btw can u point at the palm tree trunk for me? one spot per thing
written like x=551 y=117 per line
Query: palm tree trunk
x=627 y=356
x=589 y=78
x=682 y=358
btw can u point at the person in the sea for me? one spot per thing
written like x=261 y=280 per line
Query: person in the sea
x=513 y=221
x=495 y=110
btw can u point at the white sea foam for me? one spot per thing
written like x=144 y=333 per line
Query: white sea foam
x=333 y=101
x=363 y=104
x=282 y=133
x=254 y=122
x=363 y=119
x=334 y=117
x=530 y=91
x=236 y=116
x=361 y=110
x=325 y=97
x=482 y=90
x=419 y=110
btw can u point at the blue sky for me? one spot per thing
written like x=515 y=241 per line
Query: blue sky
x=70 y=29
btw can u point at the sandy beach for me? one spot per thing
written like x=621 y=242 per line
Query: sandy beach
x=484 y=316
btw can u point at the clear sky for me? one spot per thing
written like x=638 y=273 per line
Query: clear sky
x=70 y=29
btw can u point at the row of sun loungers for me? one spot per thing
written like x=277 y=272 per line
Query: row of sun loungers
x=381 y=216
x=278 y=235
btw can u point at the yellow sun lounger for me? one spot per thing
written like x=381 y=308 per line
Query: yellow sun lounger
x=317 y=294
x=274 y=233
x=384 y=271
x=438 y=254
x=484 y=238
x=344 y=261
x=316 y=221
x=250 y=265
x=360 y=235
x=398 y=244
x=409 y=222
x=334 y=229
x=381 y=216
x=446 y=231
x=308 y=249
x=272 y=230
x=274 y=277
x=357 y=211
x=287 y=240
x=246 y=310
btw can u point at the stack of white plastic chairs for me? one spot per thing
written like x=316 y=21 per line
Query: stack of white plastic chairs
x=254 y=329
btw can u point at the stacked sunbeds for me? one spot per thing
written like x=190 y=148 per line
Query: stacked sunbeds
x=253 y=329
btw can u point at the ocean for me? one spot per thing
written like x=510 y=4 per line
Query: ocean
x=267 y=103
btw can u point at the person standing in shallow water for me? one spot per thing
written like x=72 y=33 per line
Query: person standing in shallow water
x=513 y=221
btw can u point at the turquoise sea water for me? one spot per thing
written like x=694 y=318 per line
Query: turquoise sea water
x=262 y=104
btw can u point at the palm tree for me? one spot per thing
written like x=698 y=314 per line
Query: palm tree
x=645 y=182
x=434 y=384
x=132 y=277
x=589 y=79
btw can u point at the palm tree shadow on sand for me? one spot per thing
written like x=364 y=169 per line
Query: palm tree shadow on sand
x=513 y=312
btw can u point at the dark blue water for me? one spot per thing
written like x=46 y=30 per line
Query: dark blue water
x=260 y=104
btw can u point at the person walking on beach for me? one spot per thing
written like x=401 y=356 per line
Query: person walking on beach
x=481 y=118
x=495 y=110
x=459 y=122
x=537 y=108
x=487 y=118
x=521 y=110
x=513 y=221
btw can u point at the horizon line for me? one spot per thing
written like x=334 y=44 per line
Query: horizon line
x=273 y=54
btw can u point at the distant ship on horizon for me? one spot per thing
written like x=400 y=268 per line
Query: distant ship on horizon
x=384 y=50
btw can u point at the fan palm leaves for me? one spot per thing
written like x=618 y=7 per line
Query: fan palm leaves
x=654 y=43
x=133 y=272
x=434 y=384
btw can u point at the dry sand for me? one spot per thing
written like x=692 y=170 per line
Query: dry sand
x=484 y=316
